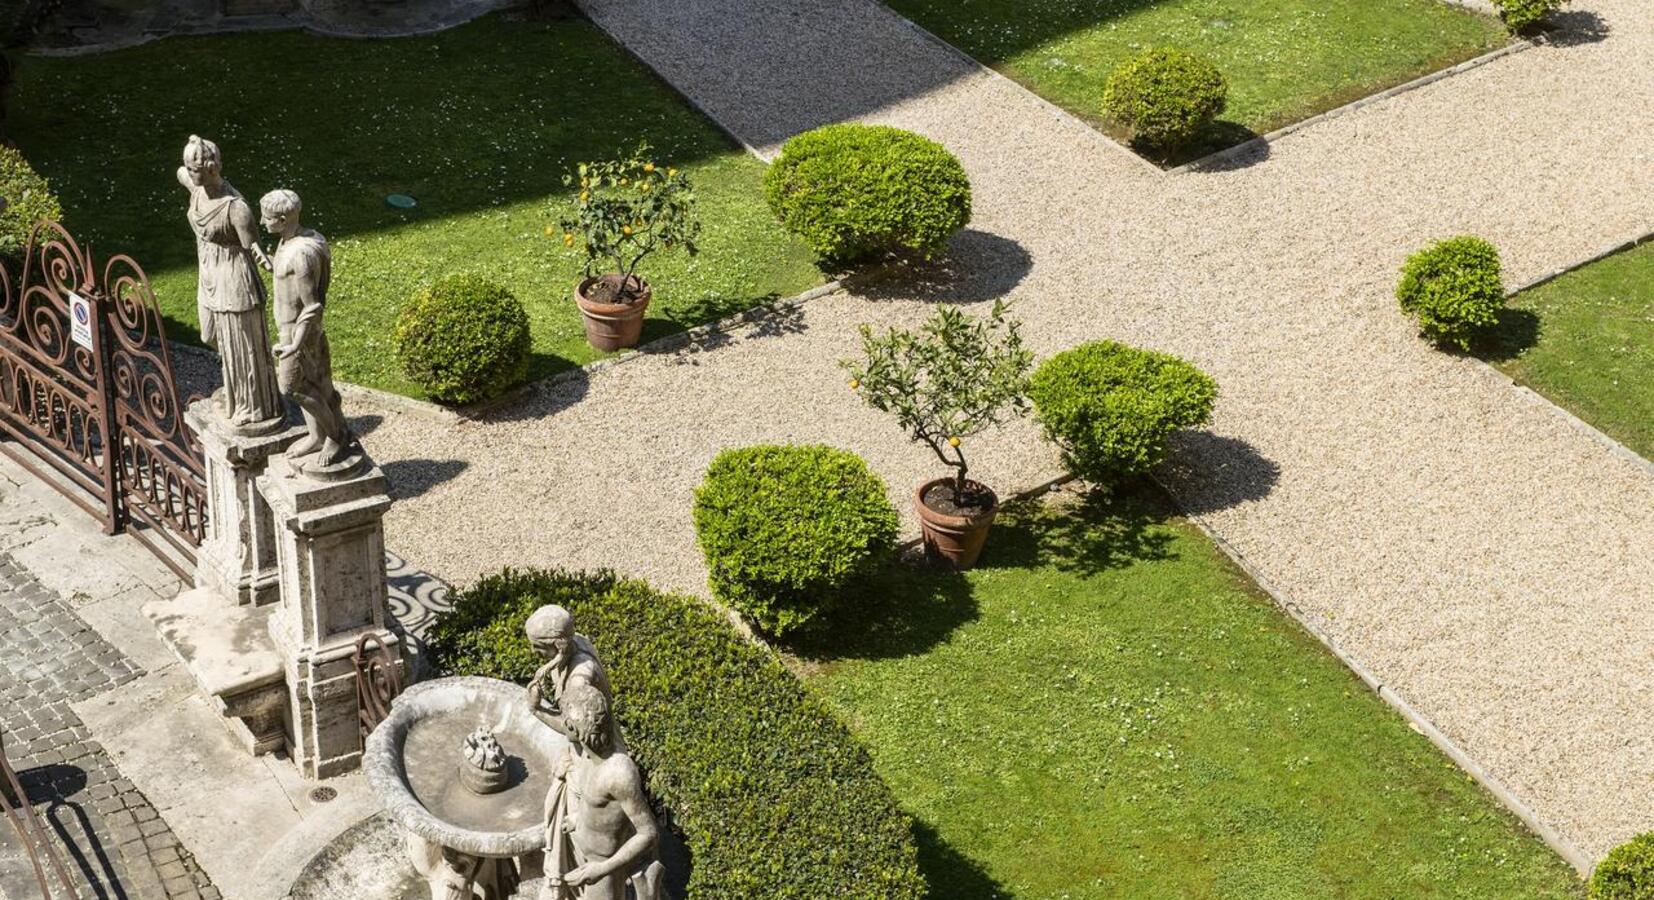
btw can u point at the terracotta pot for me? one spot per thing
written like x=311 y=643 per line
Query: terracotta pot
x=611 y=326
x=955 y=538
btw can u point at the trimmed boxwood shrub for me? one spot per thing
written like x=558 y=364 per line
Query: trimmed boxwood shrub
x=29 y=201
x=1110 y=407
x=1627 y=872
x=858 y=192
x=1524 y=15
x=773 y=795
x=463 y=339
x=786 y=529
x=1453 y=289
x=1164 y=96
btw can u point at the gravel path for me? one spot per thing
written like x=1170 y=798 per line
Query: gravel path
x=1489 y=562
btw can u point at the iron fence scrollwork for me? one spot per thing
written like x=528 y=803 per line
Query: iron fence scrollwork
x=95 y=410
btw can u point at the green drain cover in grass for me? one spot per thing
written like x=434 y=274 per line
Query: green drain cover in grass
x=401 y=201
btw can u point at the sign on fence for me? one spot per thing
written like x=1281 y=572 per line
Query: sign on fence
x=80 y=320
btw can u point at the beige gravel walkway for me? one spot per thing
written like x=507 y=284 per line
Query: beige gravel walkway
x=1489 y=562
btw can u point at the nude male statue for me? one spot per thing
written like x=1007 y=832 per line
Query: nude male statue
x=570 y=660
x=600 y=832
x=302 y=269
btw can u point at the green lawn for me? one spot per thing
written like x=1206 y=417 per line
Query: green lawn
x=478 y=123
x=1285 y=60
x=1586 y=341
x=1108 y=708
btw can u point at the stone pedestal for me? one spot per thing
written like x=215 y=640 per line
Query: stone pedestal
x=238 y=559
x=330 y=550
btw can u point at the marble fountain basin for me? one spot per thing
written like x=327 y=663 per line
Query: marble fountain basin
x=412 y=762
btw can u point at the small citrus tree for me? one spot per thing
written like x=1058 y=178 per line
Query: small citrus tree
x=626 y=210
x=954 y=377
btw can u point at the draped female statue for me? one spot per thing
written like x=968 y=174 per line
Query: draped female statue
x=230 y=296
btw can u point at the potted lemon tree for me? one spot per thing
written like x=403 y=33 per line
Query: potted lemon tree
x=951 y=379
x=626 y=210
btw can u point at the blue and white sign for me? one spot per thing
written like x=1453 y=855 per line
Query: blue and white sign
x=80 y=320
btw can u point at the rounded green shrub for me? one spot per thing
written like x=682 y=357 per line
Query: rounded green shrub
x=29 y=201
x=1627 y=872
x=1525 y=15
x=1110 y=407
x=1453 y=289
x=463 y=339
x=786 y=529
x=1164 y=97
x=858 y=192
x=773 y=795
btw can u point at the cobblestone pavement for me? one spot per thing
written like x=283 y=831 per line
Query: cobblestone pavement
x=112 y=838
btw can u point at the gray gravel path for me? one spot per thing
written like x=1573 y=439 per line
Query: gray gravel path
x=1489 y=562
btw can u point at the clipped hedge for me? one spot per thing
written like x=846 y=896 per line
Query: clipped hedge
x=29 y=201
x=1110 y=407
x=1453 y=289
x=1627 y=872
x=1164 y=96
x=786 y=529
x=859 y=192
x=1525 y=15
x=773 y=795
x=463 y=339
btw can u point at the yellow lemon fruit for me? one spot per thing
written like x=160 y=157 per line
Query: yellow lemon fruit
x=855 y=383
x=648 y=167
x=549 y=231
x=953 y=442
x=625 y=229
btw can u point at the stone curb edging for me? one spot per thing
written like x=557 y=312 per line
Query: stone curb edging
x=1212 y=160
x=1419 y=722
x=1532 y=396
x=436 y=412
x=1052 y=108
x=1253 y=145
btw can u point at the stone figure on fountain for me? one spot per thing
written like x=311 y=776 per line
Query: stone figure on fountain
x=303 y=269
x=570 y=660
x=601 y=834
x=229 y=292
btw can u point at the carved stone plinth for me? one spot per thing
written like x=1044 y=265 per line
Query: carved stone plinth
x=229 y=653
x=330 y=550
x=238 y=559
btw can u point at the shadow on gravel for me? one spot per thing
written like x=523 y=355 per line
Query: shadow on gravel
x=903 y=611
x=1209 y=472
x=1576 y=27
x=412 y=477
x=542 y=399
x=1517 y=331
x=978 y=266
x=760 y=323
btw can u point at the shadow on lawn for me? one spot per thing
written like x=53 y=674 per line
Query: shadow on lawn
x=1517 y=330
x=915 y=607
x=486 y=122
x=950 y=873
x=1101 y=531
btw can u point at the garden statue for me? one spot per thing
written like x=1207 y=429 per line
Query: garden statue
x=570 y=660
x=230 y=295
x=600 y=832
x=303 y=267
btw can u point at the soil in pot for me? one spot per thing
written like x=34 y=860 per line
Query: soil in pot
x=955 y=528
x=612 y=307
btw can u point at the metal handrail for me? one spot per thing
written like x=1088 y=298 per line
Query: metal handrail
x=36 y=840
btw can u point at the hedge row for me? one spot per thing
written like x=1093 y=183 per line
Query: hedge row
x=773 y=795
